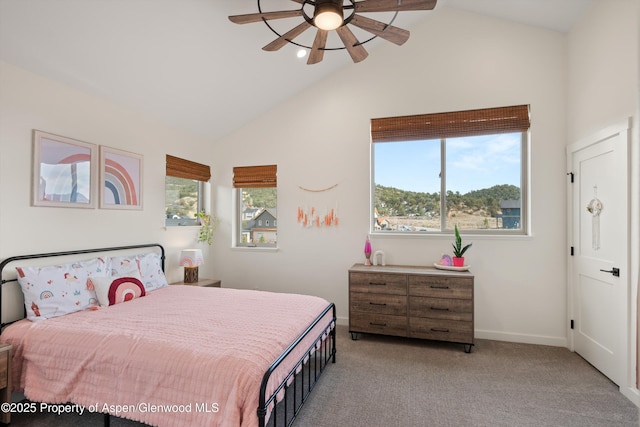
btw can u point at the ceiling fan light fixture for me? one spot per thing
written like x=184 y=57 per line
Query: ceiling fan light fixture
x=328 y=14
x=338 y=16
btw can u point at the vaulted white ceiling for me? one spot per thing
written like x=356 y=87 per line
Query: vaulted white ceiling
x=184 y=62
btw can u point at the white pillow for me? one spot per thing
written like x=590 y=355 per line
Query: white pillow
x=116 y=290
x=148 y=265
x=56 y=290
x=151 y=271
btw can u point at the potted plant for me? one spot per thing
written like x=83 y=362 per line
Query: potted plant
x=208 y=225
x=458 y=249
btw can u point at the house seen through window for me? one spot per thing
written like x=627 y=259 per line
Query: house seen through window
x=433 y=171
x=257 y=206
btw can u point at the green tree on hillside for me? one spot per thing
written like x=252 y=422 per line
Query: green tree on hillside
x=390 y=201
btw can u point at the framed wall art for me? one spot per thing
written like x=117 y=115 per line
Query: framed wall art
x=120 y=179
x=64 y=171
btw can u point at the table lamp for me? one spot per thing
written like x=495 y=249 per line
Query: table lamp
x=190 y=259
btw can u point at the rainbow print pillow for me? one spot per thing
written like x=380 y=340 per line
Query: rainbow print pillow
x=56 y=290
x=148 y=265
x=116 y=290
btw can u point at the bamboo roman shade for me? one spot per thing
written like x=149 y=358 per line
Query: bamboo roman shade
x=187 y=169
x=451 y=125
x=255 y=176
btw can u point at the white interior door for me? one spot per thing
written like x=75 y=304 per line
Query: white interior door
x=599 y=233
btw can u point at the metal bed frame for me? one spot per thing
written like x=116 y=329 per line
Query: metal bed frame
x=299 y=382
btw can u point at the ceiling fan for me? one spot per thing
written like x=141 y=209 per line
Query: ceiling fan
x=328 y=15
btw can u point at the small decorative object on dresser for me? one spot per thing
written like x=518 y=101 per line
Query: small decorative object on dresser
x=458 y=249
x=415 y=302
x=367 y=251
x=190 y=259
x=5 y=381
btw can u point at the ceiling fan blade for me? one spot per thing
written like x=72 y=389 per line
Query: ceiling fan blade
x=317 y=50
x=286 y=37
x=299 y=1
x=394 y=5
x=388 y=32
x=357 y=52
x=257 y=17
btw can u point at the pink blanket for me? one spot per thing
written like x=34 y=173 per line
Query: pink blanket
x=182 y=355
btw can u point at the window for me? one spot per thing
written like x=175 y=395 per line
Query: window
x=184 y=189
x=257 y=203
x=433 y=171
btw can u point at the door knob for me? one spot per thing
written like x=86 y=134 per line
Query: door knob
x=615 y=271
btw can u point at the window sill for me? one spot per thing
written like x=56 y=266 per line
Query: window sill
x=449 y=236
x=253 y=249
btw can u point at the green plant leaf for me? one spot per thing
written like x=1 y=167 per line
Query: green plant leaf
x=458 y=249
x=208 y=225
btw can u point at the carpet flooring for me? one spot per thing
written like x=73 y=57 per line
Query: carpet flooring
x=386 y=381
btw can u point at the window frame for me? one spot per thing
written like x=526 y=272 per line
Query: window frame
x=393 y=134
x=177 y=167
x=202 y=188
x=251 y=177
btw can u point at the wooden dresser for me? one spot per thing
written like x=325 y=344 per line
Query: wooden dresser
x=415 y=302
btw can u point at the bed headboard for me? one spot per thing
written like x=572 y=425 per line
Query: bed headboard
x=4 y=277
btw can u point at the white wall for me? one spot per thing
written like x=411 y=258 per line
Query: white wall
x=30 y=102
x=603 y=88
x=453 y=61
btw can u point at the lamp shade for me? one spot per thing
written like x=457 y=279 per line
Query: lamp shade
x=191 y=258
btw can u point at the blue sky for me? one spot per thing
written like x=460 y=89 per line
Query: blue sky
x=473 y=163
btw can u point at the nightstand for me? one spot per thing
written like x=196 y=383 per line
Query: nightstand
x=5 y=380
x=208 y=283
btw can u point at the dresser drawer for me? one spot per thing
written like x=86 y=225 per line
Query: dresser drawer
x=441 y=287
x=443 y=330
x=379 y=283
x=378 y=324
x=378 y=303
x=441 y=308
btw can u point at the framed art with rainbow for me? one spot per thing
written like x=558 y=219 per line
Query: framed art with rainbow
x=120 y=179
x=63 y=171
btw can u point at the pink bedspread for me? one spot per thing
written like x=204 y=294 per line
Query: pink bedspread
x=182 y=355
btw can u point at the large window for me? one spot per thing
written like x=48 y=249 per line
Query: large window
x=433 y=171
x=184 y=185
x=257 y=206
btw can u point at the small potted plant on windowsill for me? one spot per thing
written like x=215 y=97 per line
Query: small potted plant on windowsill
x=208 y=224
x=458 y=249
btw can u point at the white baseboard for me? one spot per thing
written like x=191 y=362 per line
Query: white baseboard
x=633 y=394
x=502 y=336
x=521 y=338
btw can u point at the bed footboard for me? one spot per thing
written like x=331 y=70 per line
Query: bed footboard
x=302 y=378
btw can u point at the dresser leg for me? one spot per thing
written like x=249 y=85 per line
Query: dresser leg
x=467 y=348
x=354 y=336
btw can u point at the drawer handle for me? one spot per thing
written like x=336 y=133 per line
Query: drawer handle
x=439 y=287
x=440 y=308
x=377 y=324
x=377 y=284
x=439 y=330
x=378 y=303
